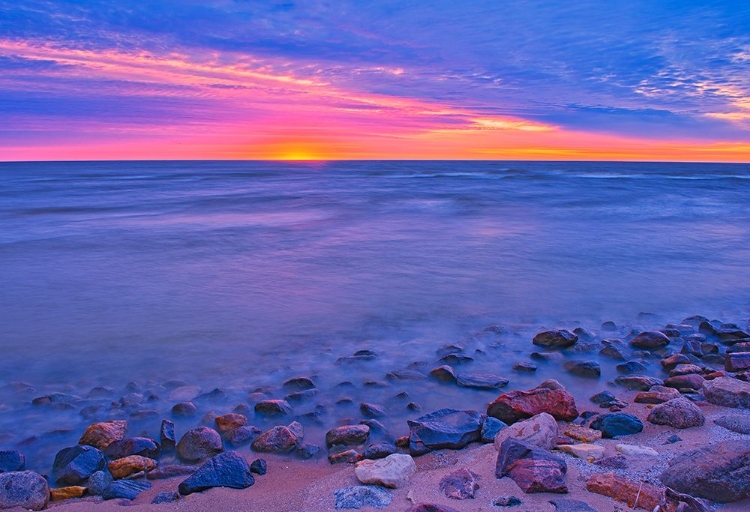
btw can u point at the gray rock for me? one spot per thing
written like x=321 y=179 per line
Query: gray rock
x=737 y=362
x=242 y=435
x=127 y=489
x=299 y=384
x=557 y=338
x=369 y=410
x=481 y=381
x=23 y=489
x=490 y=428
x=279 y=439
x=165 y=497
x=460 y=485
x=506 y=501
x=717 y=472
x=650 y=340
x=184 y=410
x=227 y=469
x=614 y=352
x=638 y=382
x=273 y=408
x=132 y=446
x=631 y=367
x=358 y=496
x=583 y=368
x=444 y=428
x=378 y=451
x=727 y=392
x=72 y=466
x=525 y=366
x=735 y=423
x=99 y=482
x=678 y=413
x=348 y=435
x=11 y=460
x=199 y=444
x=443 y=373
x=617 y=424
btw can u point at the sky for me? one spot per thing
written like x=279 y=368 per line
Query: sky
x=655 y=80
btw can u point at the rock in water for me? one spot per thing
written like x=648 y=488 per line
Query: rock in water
x=677 y=413
x=519 y=405
x=279 y=439
x=460 y=485
x=273 y=408
x=348 y=435
x=228 y=469
x=127 y=466
x=481 y=381
x=444 y=428
x=650 y=340
x=583 y=368
x=557 y=338
x=717 y=472
x=359 y=496
x=532 y=468
x=737 y=362
x=100 y=435
x=142 y=446
x=199 y=444
x=394 y=471
x=23 y=489
x=727 y=392
x=227 y=422
x=166 y=435
x=539 y=430
x=74 y=465
x=11 y=460
x=617 y=424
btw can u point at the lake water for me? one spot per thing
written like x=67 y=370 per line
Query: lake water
x=241 y=274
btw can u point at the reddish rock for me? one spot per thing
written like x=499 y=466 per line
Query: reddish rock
x=443 y=373
x=685 y=369
x=691 y=381
x=737 y=362
x=558 y=338
x=348 y=435
x=672 y=361
x=227 y=422
x=714 y=375
x=677 y=413
x=66 y=493
x=345 y=457
x=127 y=466
x=279 y=439
x=727 y=392
x=657 y=395
x=100 y=435
x=532 y=468
x=634 y=494
x=199 y=444
x=518 y=405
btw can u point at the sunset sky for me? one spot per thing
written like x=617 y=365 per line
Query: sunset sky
x=402 y=79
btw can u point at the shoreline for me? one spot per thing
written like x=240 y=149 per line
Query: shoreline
x=678 y=365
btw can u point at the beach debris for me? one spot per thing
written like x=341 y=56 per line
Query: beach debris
x=227 y=469
x=25 y=489
x=199 y=444
x=393 y=471
x=532 y=468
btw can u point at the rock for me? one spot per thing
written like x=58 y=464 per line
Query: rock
x=415 y=375
x=184 y=410
x=649 y=340
x=127 y=489
x=344 y=457
x=718 y=472
x=99 y=482
x=735 y=423
x=685 y=369
x=62 y=399
x=74 y=465
x=460 y=485
x=672 y=361
x=631 y=367
x=579 y=433
x=674 y=438
x=657 y=395
x=614 y=462
x=170 y=471
x=444 y=428
x=481 y=381
x=166 y=435
x=678 y=413
x=227 y=469
x=455 y=359
x=506 y=501
x=23 y=489
x=378 y=451
x=184 y=393
x=614 y=352
x=737 y=362
x=199 y=444
x=11 y=460
x=443 y=373
x=547 y=356
x=525 y=366
x=227 y=422
x=306 y=451
x=127 y=466
x=242 y=435
x=65 y=493
x=691 y=381
x=634 y=494
x=557 y=338
x=165 y=497
x=727 y=392
x=100 y=435
x=636 y=450
x=585 y=451
x=490 y=428
x=278 y=439
x=604 y=399
x=132 y=446
x=259 y=467
x=372 y=410
x=394 y=471
x=568 y=505
x=359 y=496
x=299 y=384
x=539 y=430
x=532 y=468
x=273 y=408
x=638 y=382
x=583 y=368
x=518 y=405
x=617 y=424
x=348 y=435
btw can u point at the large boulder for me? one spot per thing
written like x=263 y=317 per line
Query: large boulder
x=677 y=413
x=24 y=489
x=444 y=428
x=556 y=338
x=519 y=405
x=72 y=466
x=227 y=469
x=718 y=472
x=617 y=424
x=100 y=435
x=727 y=392
x=394 y=471
x=539 y=430
x=532 y=468
x=199 y=444
x=649 y=340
